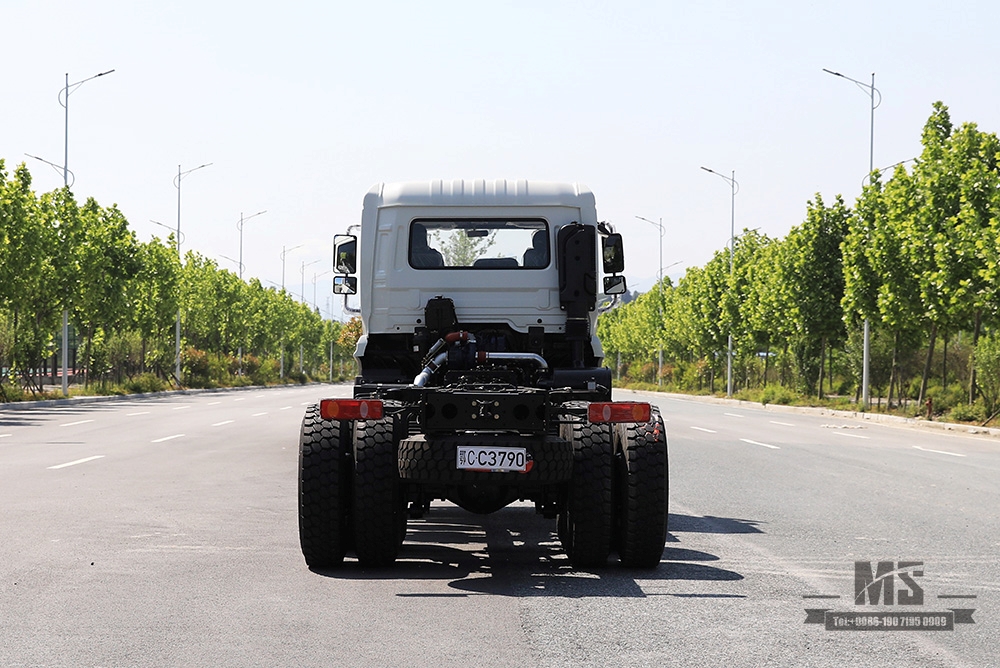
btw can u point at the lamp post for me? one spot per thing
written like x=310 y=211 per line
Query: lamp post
x=177 y=341
x=239 y=266
x=166 y=227
x=302 y=298
x=239 y=226
x=659 y=287
x=734 y=187
x=315 y=276
x=58 y=168
x=284 y=252
x=302 y=291
x=64 y=102
x=871 y=91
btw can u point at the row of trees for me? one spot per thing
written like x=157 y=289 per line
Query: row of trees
x=123 y=296
x=918 y=256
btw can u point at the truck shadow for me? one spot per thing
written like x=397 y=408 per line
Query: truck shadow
x=516 y=552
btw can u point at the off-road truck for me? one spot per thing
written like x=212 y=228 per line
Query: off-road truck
x=480 y=378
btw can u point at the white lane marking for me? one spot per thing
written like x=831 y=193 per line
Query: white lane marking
x=732 y=415
x=5 y=435
x=139 y=413
x=167 y=438
x=747 y=440
x=840 y=433
x=72 y=424
x=219 y=424
x=783 y=424
x=258 y=414
x=707 y=431
x=940 y=452
x=304 y=403
x=240 y=399
x=177 y=408
x=284 y=408
x=74 y=463
x=213 y=403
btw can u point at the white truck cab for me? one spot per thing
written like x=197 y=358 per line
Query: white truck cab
x=491 y=247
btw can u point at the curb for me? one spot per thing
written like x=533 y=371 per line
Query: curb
x=890 y=420
x=72 y=401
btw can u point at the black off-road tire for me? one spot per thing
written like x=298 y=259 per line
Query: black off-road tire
x=587 y=525
x=324 y=489
x=379 y=509
x=643 y=489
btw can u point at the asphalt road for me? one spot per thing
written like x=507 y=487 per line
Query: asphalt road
x=162 y=532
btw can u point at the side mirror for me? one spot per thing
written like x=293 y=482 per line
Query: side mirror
x=613 y=254
x=345 y=285
x=345 y=255
x=614 y=285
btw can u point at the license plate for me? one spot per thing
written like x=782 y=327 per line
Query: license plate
x=491 y=458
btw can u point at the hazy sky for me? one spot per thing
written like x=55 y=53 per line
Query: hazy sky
x=303 y=106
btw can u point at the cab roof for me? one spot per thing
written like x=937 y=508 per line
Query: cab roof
x=481 y=192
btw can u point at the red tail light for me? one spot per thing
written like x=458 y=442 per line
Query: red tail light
x=624 y=411
x=350 y=409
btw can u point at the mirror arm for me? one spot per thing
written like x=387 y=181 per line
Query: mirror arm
x=348 y=308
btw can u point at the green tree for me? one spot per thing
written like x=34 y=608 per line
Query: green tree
x=815 y=279
x=108 y=259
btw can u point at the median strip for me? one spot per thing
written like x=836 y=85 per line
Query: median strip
x=74 y=463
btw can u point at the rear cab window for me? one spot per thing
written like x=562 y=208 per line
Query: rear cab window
x=479 y=243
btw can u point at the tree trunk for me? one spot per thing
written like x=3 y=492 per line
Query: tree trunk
x=830 y=374
x=822 y=366
x=767 y=359
x=86 y=357
x=944 y=360
x=895 y=373
x=927 y=365
x=972 y=358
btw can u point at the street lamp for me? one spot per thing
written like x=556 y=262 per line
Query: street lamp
x=239 y=226
x=871 y=91
x=64 y=102
x=239 y=266
x=735 y=187
x=58 y=168
x=177 y=184
x=302 y=298
x=302 y=290
x=284 y=252
x=659 y=287
x=166 y=227
x=315 y=276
